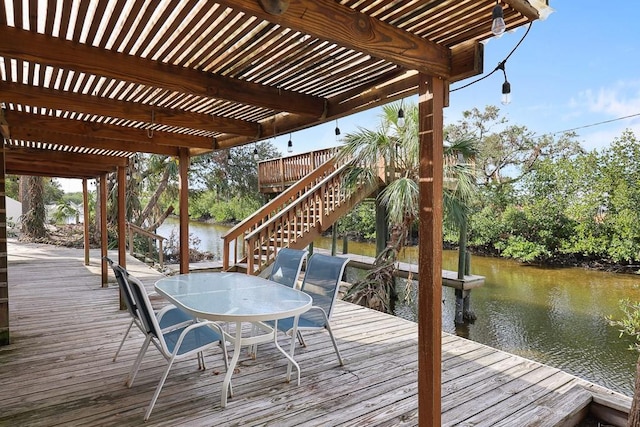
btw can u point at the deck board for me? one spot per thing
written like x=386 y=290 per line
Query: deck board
x=65 y=329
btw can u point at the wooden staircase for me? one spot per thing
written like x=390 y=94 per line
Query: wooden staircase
x=298 y=215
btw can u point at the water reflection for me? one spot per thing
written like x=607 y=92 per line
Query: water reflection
x=555 y=316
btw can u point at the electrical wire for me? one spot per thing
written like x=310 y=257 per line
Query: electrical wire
x=590 y=125
x=500 y=65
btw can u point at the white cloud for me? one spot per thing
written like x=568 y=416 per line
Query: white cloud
x=605 y=113
x=620 y=100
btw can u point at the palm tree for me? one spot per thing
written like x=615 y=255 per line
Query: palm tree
x=397 y=147
x=64 y=210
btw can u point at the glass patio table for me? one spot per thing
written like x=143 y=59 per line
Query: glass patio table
x=237 y=298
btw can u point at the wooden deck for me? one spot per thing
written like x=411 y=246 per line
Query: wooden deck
x=65 y=329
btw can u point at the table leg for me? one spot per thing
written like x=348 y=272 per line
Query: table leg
x=287 y=355
x=232 y=366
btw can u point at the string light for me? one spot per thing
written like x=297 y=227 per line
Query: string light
x=401 y=115
x=506 y=86
x=497 y=24
x=290 y=145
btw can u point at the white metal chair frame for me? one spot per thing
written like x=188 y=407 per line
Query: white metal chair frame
x=173 y=318
x=323 y=273
x=175 y=344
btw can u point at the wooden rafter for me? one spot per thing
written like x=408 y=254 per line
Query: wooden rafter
x=36 y=48
x=135 y=136
x=74 y=102
x=329 y=20
x=21 y=161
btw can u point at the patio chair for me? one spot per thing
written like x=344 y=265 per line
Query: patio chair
x=173 y=318
x=175 y=344
x=287 y=266
x=286 y=270
x=322 y=282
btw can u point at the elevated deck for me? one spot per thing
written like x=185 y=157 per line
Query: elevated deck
x=66 y=328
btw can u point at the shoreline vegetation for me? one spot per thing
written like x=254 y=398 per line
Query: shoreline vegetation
x=72 y=235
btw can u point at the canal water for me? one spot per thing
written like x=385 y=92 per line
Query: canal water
x=552 y=315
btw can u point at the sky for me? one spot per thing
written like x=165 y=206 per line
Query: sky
x=577 y=70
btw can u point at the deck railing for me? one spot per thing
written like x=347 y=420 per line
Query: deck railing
x=275 y=175
x=134 y=229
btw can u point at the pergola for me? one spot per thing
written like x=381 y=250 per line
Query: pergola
x=87 y=84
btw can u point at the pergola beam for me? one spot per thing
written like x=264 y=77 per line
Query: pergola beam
x=137 y=137
x=107 y=146
x=55 y=52
x=331 y=21
x=69 y=101
x=388 y=88
x=27 y=161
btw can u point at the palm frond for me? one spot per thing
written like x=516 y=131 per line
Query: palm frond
x=401 y=198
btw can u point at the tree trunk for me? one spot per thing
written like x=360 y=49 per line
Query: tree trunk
x=23 y=193
x=158 y=223
x=33 y=221
x=153 y=201
x=634 y=414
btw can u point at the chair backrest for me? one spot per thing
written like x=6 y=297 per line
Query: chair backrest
x=287 y=266
x=121 y=276
x=322 y=280
x=145 y=310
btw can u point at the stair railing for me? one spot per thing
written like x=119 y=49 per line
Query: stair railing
x=235 y=238
x=304 y=219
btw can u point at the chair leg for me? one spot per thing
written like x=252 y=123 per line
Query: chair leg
x=158 y=389
x=252 y=350
x=126 y=334
x=138 y=362
x=301 y=339
x=335 y=345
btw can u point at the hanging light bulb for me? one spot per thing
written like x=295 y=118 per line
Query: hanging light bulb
x=506 y=86
x=337 y=129
x=506 y=92
x=497 y=25
x=229 y=154
x=401 y=117
x=290 y=145
x=255 y=153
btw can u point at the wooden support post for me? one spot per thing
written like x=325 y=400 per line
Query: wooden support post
x=5 y=336
x=85 y=222
x=463 y=306
x=184 y=210
x=122 y=216
x=334 y=238
x=462 y=250
x=345 y=243
x=104 y=237
x=382 y=227
x=431 y=95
